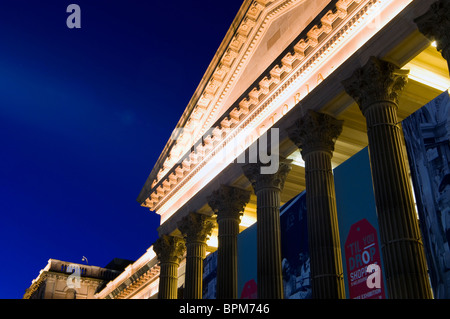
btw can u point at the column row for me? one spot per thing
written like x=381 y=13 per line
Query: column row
x=375 y=87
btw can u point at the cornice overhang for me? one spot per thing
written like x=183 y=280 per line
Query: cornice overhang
x=35 y=285
x=248 y=28
x=134 y=277
x=336 y=33
x=220 y=65
x=135 y=282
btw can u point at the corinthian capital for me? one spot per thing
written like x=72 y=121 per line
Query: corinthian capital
x=228 y=201
x=259 y=180
x=169 y=249
x=196 y=227
x=315 y=131
x=435 y=25
x=377 y=81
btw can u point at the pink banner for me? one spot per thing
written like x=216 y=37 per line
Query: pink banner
x=363 y=259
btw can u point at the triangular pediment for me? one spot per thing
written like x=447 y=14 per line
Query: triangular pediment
x=284 y=21
x=261 y=31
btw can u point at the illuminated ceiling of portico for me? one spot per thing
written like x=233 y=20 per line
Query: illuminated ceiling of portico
x=259 y=33
x=328 y=97
x=354 y=136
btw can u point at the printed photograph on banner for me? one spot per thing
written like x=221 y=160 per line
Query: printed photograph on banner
x=427 y=138
x=210 y=276
x=294 y=249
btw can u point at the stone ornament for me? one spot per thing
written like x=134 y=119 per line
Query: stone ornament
x=253 y=172
x=377 y=81
x=315 y=131
x=196 y=227
x=435 y=25
x=228 y=202
x=169 y=248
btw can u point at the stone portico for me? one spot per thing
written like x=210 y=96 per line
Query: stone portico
x=324 y=79
x=342 y=80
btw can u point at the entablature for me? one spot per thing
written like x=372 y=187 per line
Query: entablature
x=330 y=39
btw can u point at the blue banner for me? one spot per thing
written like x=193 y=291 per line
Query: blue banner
x=295 y=249
x=210 y=276
x=294 y=253
x=247 y=275
x=427 y=136
x=355 y=203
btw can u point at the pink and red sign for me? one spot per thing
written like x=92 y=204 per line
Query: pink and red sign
x=250 y=290
x=362 y=252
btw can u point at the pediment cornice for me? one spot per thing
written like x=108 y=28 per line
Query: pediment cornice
x=309 y=49
x=237 y=48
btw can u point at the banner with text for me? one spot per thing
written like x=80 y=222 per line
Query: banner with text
x=294 y=253
x=358 y=228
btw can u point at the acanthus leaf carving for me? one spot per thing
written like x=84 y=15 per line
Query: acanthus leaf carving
x=169 y=248
x=315 y=131
x=377 y=81
x=435 y=25
x=196 y=227
x=228 y=202
x=253 y=173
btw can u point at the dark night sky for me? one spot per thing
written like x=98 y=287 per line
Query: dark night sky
x=84 y=115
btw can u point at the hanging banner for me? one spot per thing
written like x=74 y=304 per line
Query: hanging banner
x=247 y=285
x=358 y=229
x=294 y=249
x=294 y=253
x=427 y=139
x=363 y=259
x=210 y=276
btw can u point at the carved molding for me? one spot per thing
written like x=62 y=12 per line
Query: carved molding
x=196 y=227
x=169 y=249
x=297 y=61
x=377 y=81
x=259 y=181
x=315 y=131
x=229 y=202
x=41 y=281
x=136 y=281
x=435 y=25
x=238 y=52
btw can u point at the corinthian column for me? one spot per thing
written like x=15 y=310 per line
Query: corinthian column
x=267 y=188
x=375 y=88
x=315 y=134
x=228 y=203
x=196 y=228
x=435 y=25
x=169 y=250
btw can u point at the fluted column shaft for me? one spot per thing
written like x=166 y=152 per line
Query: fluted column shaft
x=196 y=228
x=168 y=280
x=323 y=230
x=406 y=271
x=315 y=135
x=227 y=259
x=268 y=188
x=228 y=203
x=195 y=253
x=169 y=250
x=375 y=87
x=270 y=284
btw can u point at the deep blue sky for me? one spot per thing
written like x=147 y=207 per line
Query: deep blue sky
x=84 y=115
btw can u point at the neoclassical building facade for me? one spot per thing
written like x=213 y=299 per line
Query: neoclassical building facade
x=295 y=89
x=64 y=280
